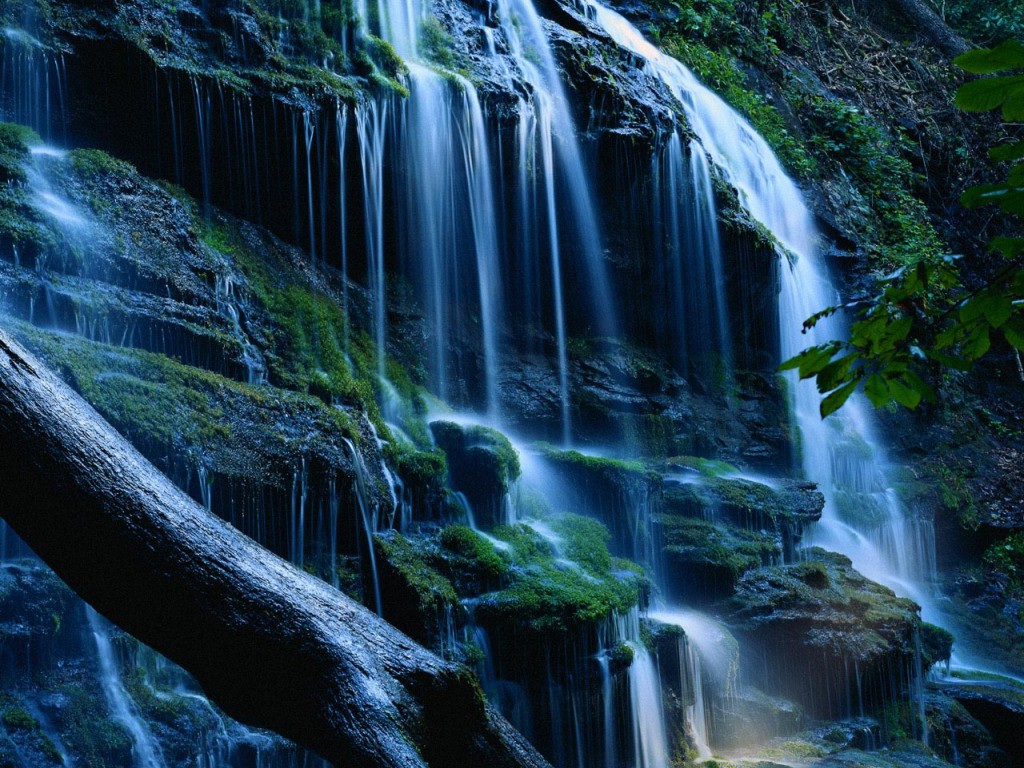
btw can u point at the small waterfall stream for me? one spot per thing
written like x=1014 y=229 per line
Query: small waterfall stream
x=145 y=750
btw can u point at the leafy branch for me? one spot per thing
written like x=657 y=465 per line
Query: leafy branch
x=923 y=317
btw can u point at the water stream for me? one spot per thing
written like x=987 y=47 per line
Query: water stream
x=145 y=750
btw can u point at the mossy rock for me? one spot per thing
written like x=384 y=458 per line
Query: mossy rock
x=936 y=644
x=416 y=597
x=848 y=635
x=704 y=561
x=562 y=580
x=469 y=553
x=482 y=464
x=784 y=507
x=622 y=494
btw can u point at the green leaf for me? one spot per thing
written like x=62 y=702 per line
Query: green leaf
x=1007 y=152
x=978 y=343
x=919 y=385
x=877 y=390
x=1008 y=55
x=906 y=396
x=988 y=93
x=1008 y=246
x=835 y=373
x=997 y=309
x=956 y=363
x=811 y=360
x=832 y=403
x=1014 y=333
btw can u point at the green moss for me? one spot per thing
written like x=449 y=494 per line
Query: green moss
x=936 y=644
x=879 y=165
x=313 y=346
x=1007 y=557
x=20 y=224
x=706 y=467
x=596 y=465
x=384 y=57
x=15 y=141
x=96 y=740
x=18 y=719
x=478 y=552
x=411 y=565
x=549 y=593
x=91 y=163
x=436 y=45
x=721 y=71
x=813 y=574
x=482 y=464
x=731 y=550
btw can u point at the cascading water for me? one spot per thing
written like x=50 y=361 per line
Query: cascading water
x=145 y=750
x=839 y=453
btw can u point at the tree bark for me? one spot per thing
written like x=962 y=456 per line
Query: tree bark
x=929 y=24
x=273 y=646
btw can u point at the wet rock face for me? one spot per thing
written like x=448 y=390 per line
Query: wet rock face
x=716 y=527
x=989 y=705
x=958 y=736
x=35 y=613
x=846 y=634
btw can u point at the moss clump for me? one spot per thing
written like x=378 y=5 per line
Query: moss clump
x=15 y=141
x=620 y=657
x=96 y=740
x=713 y=556
x=600 y=466
x=384 y=56
x=433 y=591
x=705 y=467
x=18 y=719
x=813 y=574
x=20 y=224
x=162 y=404
x=1007 y=557
x=551 y=594
x=936 y=644
x=476 y=552
x=436 y=45
x=93 y=163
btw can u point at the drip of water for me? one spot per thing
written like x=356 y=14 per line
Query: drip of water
x=686 y=220
x=369 y=516
x=650 y=744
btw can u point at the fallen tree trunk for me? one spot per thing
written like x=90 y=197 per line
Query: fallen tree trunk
x=271 y=645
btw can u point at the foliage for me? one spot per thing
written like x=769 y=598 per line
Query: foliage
x=882 y=173
x=1007 y=556
x=924 y=315
x=985 y=22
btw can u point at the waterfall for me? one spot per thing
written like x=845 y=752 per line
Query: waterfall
x=145 y=751
x=839 y=453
